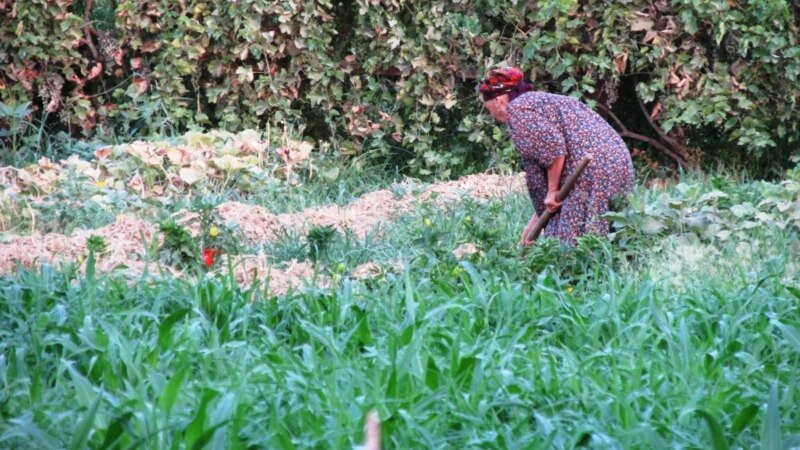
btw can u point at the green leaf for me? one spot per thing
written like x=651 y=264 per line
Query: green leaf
x=717 y=437
x=432 y=374
x=115 y=430
x=195 y=431
x=771 y=434
x=81 y=436
x=172 y=389
x=744 y=419
x=165 y=329
x=793 y=290
x=791 y=334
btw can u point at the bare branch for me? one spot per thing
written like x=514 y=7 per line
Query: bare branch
x=672 y=142
x=624 y=132
x=87 y=28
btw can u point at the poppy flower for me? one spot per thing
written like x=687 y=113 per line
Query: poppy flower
x=209 y=255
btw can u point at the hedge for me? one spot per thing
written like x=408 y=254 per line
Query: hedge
x=685 y=79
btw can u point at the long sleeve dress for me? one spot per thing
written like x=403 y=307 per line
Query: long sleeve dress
x=546 y=126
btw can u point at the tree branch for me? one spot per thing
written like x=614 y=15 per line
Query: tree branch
x=624 y=132
x=87 y=28
x=670 y=141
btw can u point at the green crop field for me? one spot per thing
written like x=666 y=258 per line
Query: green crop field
x=681 y=331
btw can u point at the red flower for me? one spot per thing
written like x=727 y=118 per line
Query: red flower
x=209 y=255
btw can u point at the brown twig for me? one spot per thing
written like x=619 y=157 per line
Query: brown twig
x=671 y=141
x=624 y=132
x=87 y=28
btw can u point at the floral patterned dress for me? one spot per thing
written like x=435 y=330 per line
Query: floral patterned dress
x=546 y=126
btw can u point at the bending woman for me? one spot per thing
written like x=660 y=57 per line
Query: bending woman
x=552 y=134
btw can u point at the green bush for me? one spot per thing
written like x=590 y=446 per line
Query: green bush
x=396 y=79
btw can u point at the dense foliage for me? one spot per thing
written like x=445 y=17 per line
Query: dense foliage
x=397 y=78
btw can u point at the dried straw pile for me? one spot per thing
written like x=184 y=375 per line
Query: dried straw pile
x=127 y=237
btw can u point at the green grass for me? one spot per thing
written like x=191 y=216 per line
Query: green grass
x=669 y=340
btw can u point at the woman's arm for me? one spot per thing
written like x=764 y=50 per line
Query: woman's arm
x=554 y=183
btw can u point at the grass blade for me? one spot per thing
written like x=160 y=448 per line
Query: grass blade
x=79 y=439
x=172 y=389
x=744 y=419
x=791 y=333
x=771 y=434
x=717 y=437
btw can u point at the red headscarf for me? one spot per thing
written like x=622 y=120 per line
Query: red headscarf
x=504 y=80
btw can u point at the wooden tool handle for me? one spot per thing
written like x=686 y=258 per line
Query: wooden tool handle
x=566 y=188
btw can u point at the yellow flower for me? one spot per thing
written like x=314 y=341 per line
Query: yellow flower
x=427 y=222
x=100 y=184
x=213 y=232
x=569 y=289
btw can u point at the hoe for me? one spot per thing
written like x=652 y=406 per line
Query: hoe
x=566 y=188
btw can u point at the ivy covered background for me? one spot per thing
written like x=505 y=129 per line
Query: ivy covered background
x=686 y=82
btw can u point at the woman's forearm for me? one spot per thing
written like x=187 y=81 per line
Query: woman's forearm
x=554 y=174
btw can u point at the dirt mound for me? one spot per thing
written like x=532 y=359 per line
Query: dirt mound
x=369 y=212
x=127 y=238
x=294 y=275
x=125 y=243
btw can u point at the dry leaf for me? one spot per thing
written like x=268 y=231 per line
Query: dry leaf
x=95 y=71
x=449 y=101
x=150 y=46
x=621 y=62
x=191 y=175
x=642 y=24
x=102 y=153
x=655 y=114
x=140 y=85
x=466 y=250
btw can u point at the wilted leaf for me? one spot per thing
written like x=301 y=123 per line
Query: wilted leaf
x=295 y=152
x=95 y=72
x=331 y=174
x=136 y=183
x=231 y=163
x=249 y=142
x=245 y=74
x=642 y=24
x=466 y=250
x=621 y=62
x=178 y=156
x=652 y=225
x=140 y=85
x=191 y=175
x=102 y=153
x=150 y=46
x=198 y=139
x=449 y=101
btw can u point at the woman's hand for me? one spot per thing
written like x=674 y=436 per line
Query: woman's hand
x=550 y=202
x=525 y=240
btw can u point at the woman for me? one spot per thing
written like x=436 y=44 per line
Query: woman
x=553 y=133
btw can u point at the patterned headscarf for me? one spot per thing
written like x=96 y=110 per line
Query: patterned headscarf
x=504 y=80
